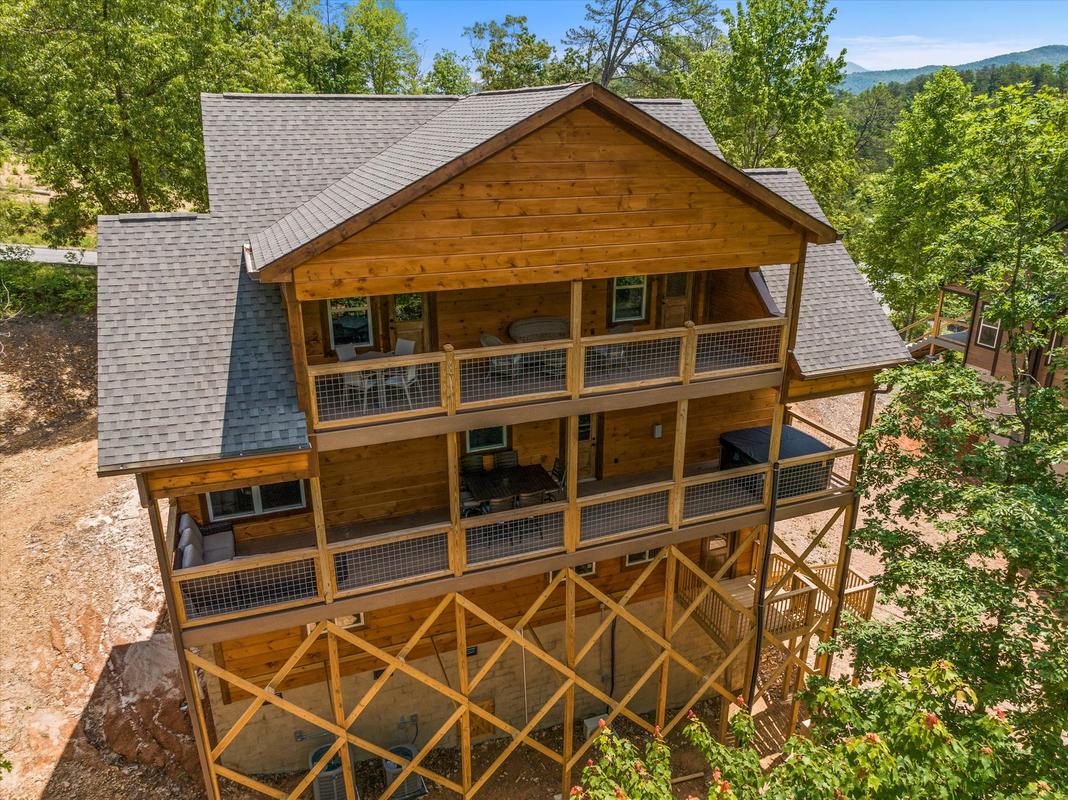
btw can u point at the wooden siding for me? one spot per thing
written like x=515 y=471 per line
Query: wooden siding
x=729 y=296
x=258 y=657
x=218 y=475
x=579 y=198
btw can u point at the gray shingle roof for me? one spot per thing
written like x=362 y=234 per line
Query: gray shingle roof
x=194 y=359
x=841 y=325
x=456 y=130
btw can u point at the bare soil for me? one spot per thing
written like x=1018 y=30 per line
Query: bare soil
x=89 y=702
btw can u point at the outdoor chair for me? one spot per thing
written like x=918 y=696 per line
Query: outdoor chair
x=615 y=355
x=501 y=504
x=404 y=380
x=506 y=459
x=405 y=347
x=471 y=464
x=501 y=366
x=469 y=506
x=527 y=499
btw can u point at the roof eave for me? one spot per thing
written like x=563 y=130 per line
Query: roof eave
x=812 y=229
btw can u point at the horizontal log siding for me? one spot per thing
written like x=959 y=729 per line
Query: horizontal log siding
x=581 y=198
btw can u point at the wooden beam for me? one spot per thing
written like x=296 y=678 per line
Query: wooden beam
x=192 y=695
x=569 y=695
x=326 y=559
x=573 y=516
x=457 y=541
x=465 y=690
x=678 y=463
x=577 y=355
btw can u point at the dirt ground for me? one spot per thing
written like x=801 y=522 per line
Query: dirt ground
x=89 y=702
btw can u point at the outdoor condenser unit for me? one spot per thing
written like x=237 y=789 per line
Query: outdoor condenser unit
x=751 y=445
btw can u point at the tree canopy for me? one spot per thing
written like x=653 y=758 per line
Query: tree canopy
x=918 y=734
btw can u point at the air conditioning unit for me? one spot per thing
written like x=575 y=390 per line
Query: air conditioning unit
x=329 y=784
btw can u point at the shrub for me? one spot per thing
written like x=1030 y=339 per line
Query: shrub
x=30 y=288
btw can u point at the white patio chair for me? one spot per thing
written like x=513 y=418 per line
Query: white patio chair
x=403 y=380
x=502 y=366
x=361 y=382
x=405 y=347
x=345 y=352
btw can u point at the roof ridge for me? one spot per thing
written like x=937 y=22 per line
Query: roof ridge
x=528 y=89
x=324 y=96
x=152 y=216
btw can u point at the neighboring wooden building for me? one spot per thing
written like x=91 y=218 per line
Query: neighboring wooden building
x=472 y=416
x=982 y=342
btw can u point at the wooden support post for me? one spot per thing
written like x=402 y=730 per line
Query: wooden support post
x=457 y=548
x=298 y=350
x=669 y=627
x=867 y=413
x=688 y=353
x=573 y=517
x=337 y=700
x=326 y=561
x=450 y=381
x=577 y=363
x=759 y=599
x=678 y=466
x=936 y=327
x=569 y=696
x=192 y=692
x=465 y=689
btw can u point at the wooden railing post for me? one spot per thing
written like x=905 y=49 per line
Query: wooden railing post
x=577 y=363
x=457 y=542
x=450 y=381
x=326 y=561
x=688 y=354
x=573 y=517
x=678 y=466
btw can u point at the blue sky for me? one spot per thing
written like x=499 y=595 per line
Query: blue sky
x=878 y=34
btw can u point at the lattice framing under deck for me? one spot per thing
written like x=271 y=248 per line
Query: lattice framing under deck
x=467 y=612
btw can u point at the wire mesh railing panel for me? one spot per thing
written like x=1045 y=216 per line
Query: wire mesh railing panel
x=375 y=392
x=722 y=494
x=390 y=562
x=814 y=477
x=630 y=362
x=499 y=377
x=614 y=517
x=494 y=541
x=247 y=589
x=737 y=348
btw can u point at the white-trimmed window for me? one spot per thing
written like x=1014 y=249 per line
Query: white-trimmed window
x=584 y=570
x=350 y=322
x=641 y=557
x=629 y=298
x=482 y=440
x=249 y=501
x=988 y=331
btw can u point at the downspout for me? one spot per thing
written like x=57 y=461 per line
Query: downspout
x=762 y=585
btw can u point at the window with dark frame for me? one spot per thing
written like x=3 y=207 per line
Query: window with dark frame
x=484 y=440
x=251 y=501
x=350 y=322
x=641 y=557
x=987 y=335
x=583 y=570
x=629 y=298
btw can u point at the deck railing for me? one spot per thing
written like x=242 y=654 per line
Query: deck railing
x=394 y=558
x=718 y=494
x=389 y=388
x=859 y=591
x=624 y=513
x=510 y=535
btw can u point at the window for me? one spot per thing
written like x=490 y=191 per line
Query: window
x=988 y=332
x=641 y=557
x=350 y=322
x=481 y=440
x=585 y=570
x=249 y=501
x=628 y=298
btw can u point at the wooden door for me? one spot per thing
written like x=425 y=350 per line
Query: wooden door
x=675 y=300
x=587 y=446
x=408 y=320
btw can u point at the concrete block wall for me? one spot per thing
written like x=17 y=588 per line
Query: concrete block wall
x=518 y=686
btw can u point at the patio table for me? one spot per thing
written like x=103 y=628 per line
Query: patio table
x=509 y=482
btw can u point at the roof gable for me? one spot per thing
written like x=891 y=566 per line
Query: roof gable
x=464 y=134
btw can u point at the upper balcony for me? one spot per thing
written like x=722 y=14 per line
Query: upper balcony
x=384 y=359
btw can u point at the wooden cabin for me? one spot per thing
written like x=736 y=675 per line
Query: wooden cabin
x=960 y=324
x=460 y=418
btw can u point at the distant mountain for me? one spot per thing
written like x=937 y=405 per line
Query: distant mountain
x=852 y=68
x=858 y=81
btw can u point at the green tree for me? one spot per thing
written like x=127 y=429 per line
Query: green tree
x=378 y=52
x=907 y=212
x=914 y=735
x=871 y=116
x=507 y=55
x=767 y=93
x=448 y=75
x=969 y=507
x=631 y=34
x=102 y=99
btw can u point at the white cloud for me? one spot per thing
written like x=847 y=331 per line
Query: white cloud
x=898 y=52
